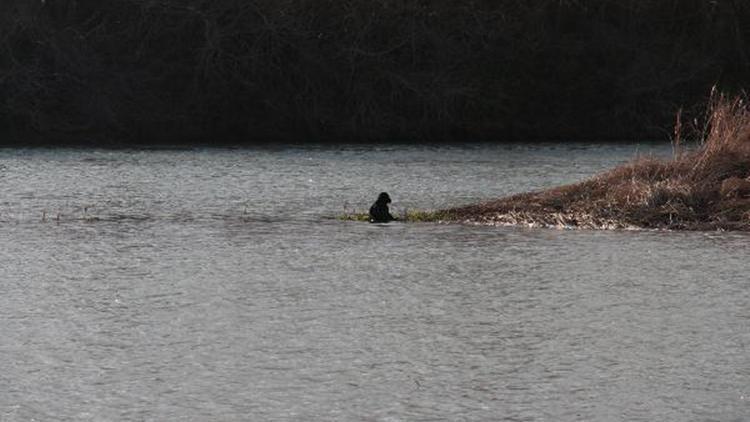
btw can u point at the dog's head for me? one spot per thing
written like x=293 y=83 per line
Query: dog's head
x=383 y=198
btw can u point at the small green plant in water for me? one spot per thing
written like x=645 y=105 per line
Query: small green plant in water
x=422 y=216
x=354 y=216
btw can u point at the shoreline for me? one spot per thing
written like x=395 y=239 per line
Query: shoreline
x=705 y=188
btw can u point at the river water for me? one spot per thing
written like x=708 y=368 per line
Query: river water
x=214 y=284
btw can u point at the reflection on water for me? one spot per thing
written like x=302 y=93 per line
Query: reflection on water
x=213 y=285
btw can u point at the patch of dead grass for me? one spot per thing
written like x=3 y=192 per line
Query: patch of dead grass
x=684 y=192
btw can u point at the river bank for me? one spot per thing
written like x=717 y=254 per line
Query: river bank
x=706 y=188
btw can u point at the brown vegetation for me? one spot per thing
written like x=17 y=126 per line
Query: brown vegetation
x=146 y=71
x=706 y=188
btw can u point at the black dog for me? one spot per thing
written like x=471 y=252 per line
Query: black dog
x=379 y=211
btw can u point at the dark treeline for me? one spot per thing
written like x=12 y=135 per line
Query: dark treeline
x=170 y=71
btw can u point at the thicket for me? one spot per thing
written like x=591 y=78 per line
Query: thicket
x=154 y=71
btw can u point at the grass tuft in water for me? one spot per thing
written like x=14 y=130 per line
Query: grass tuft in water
x=407 y=216
x=354 y=216
x=425 y=216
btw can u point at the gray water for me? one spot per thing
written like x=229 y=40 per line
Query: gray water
x=216 y=285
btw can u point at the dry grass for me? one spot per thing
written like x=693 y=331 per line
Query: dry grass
x=705 y=188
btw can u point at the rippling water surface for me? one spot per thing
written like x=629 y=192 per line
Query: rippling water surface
x=214 y=285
